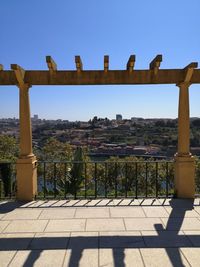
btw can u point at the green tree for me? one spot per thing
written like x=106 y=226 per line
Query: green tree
x=76 y=176
x=54 y=150
x=9 y=151
x=9 y=148
x=55 y=153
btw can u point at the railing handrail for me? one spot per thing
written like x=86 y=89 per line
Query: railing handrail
x=106 y=161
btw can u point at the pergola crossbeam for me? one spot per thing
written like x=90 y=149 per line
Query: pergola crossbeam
x=189 y=70
x=79 y=65
x=98 y=77
x=19 y=74
x=154 y=75
x=51 y=64
x=155 y=64
x=106 y=63
x=131 y=63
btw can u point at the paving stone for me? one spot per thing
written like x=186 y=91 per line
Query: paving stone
x=197 y=209
x=165 y=239
x=7 y=206
x=118 y=244
x=120 y=257
x=29 y=204
x=143 y=224
x=85 y=258
x=66 y=225
x=82 y=249
x=74 y=203
x=135 y=202
x=34 y=204
x=182 y=213
x=23 y=226
x=110 y=203
x=2 y=202
x=125 y=202
x=59 y=203
x=2 y=215
x=15 y=241
x=105 y=225
x=149 y=202
x=194 y=237
x=81 y=240
x=192 y=255
x=71 y=203
x=197 y=201
x=121 y=239
x=127 y=212
x=178 y=203
x=82 y=203
x=57 y=213
x=50 y=241
x=23 y=214
x=160 y=257
x=181 y=224
x=155 y=212
x=103 y=202
x=6 y=257
x=164 y=201
x=3 y=225
x=93 y=202
x=48 y=203
x=115 y=202
x=38 y=258
x=92 y=213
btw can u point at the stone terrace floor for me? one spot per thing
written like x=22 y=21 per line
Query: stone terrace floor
x=140 y=232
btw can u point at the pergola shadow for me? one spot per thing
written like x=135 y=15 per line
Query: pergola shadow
x=118 y=244
x=7 y=206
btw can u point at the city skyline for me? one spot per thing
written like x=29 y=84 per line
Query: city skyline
x=113 y=29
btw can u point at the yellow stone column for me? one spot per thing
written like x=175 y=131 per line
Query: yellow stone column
x=27 y=163
x=184 y=161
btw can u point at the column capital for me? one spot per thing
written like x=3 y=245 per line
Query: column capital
x=24 y=86
x=183 y=84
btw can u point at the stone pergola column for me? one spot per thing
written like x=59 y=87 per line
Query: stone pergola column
x=27 y=163
x=184 y=161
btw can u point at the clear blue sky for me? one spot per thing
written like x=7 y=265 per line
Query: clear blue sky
x=32 y=29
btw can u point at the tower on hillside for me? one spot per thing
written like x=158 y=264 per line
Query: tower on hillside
x=118 y=117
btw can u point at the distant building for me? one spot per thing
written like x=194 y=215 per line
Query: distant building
x=35 y=117
x=118 y=117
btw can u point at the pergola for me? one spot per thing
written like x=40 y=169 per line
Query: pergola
x=183 y=78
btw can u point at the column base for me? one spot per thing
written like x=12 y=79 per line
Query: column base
x=184 y=176
x=26 y=178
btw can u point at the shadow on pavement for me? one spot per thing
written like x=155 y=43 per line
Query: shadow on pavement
x=167 y=238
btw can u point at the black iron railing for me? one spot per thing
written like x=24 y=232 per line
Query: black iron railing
x=109 y=179
x=7 y=180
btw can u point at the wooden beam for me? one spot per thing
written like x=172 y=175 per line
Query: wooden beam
x=131 y=63
x=51 y=64
x=99 y=77
x=189 y=70
x=79 y=65
x=192 y=65
x=155 y=64
x=1 y=67
x=106 y=63
x=19 y=74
